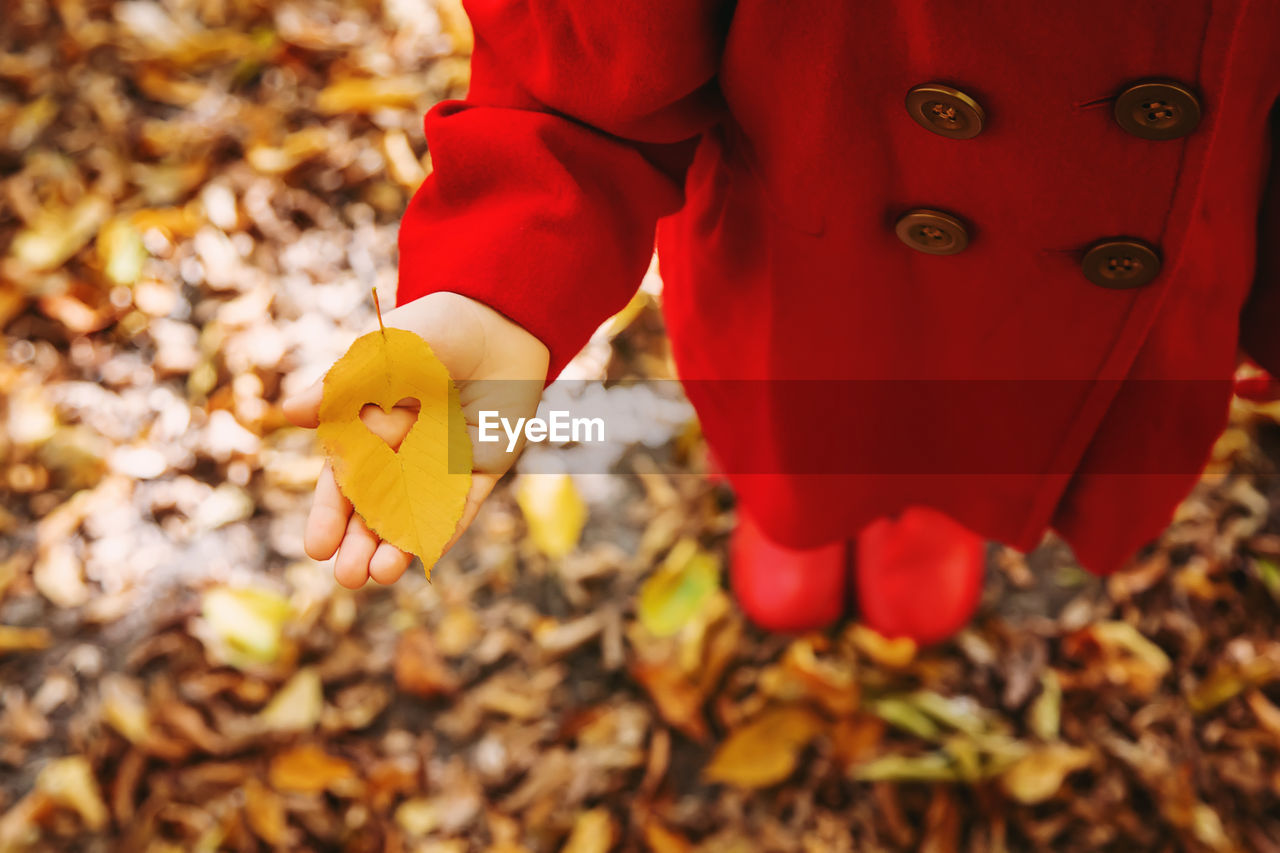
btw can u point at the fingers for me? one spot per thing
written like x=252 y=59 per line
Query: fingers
x=351 y=568
x=388 y=563
x=303 y=408
x=363 y=555
x=327 y=522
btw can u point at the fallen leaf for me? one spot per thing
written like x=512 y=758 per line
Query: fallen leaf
x=69 y=782
x=59 y=576
x=419 y=668
x=902 y=712
x=855 y=739
x=1268 y=714
x=1269 y=573
x=248 y=621
x=1229 y=679
x=942 y=823
x=962 y=713
x=1040 y=774
x=764 y=751
x=360 y=95
x=59 y=234
x=402 y=164
x=124 y=708
x=553 y=510
x=265 y=813
x=663 y=840
x=297 y=148
x=308 y=769
x=1044 y=717
x=14 y=639
x=934 y=766
x=897 y=653
x=418 y=816
x=673 y=595
x=412 y=497
x=121 y=251
x=593 y=832
x=296 y=707
x=679 y=700
x=1116 y=652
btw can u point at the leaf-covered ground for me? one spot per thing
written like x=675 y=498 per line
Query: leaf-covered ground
x=196 y=197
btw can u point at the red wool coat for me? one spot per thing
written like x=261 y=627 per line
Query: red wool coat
x=777 y=152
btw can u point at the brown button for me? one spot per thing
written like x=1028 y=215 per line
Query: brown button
x=1158 y=109
x=932 y=231
x=1120 y=264
x=945 y=111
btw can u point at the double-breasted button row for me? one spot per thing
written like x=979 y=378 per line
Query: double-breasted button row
x=1116 y=263
x=1149 y=109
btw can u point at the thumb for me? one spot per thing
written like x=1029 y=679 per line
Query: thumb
x=303 y=408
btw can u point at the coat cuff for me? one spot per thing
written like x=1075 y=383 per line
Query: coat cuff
x=545 y=220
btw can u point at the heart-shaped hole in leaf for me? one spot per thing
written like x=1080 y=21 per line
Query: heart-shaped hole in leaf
x=393 y=424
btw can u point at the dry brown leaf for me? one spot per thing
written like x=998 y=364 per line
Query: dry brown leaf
x=265 y=813
x=857 y=738
x=308 y=769
x=679 y=700
x=419 y=668
x=663 y=840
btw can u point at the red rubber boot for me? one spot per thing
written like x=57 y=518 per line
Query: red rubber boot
x=919 y=575
x=784 y=589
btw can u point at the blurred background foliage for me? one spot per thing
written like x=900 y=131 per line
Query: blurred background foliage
x=197 y=196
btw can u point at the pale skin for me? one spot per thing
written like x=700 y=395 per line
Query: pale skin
x=476 y=344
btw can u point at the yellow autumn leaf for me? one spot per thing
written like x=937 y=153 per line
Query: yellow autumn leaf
x=554 y=511
x=70 y=783
x=368 y=94
x=13 y=639
x=411 y=497
x=247 y=622
x=121 y=251
x=593 y=832
x=297 y=706
x=672 y=596
x=764 y=751
x=1040 y=774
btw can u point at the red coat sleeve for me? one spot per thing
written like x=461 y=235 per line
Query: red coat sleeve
x=1260 y=321
x=573 y=140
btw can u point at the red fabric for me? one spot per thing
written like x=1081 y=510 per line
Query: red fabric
x=781 y=265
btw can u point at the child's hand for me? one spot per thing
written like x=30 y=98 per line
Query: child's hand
x=475 y=343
